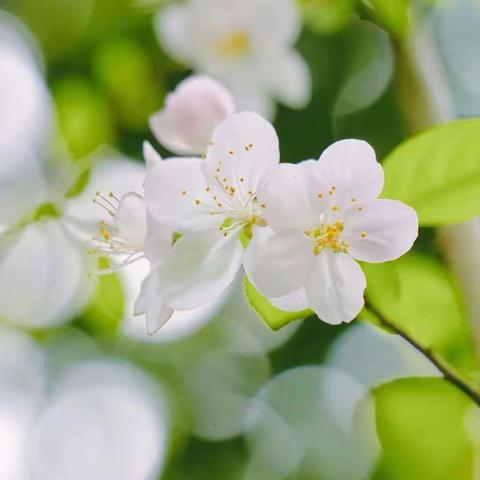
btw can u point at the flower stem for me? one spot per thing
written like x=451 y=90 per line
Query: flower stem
x=449 y=374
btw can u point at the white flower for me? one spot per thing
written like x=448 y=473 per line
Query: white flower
x=248 y=44
x=199 y=210
x=323 y=216
x=191 y=114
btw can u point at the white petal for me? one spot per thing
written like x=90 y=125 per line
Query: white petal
x=172 y=189
x=172 y=29
x=149 y=302
x=351 y=166
x=191 y=114
x=131 y=219
x=335 y=287
x=384 y=230
x=290 y=197
x=290 y=79
x=278 y=266
x=293 y=302
x=245 y=146
x=151 y=156
x=201 y=266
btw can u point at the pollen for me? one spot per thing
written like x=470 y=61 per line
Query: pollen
x=242 y=179
x=360 y=209
x=203 y=156
x=363 y=235
x=231 y=152
x=197 y=202
x=320 y=195
x=327 y=236
x=335 y=208
x=330 y=192
x=263 y=205
x=184 y=192
x=207 y=189
x=353 y=200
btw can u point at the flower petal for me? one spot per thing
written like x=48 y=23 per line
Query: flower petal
x=290 y=79
x=335 y=286
x=277 y=266
x=151 y=156
x=190 y=115
x=172 y=29
x=244 y=146
x=131 y=219
x=200 y=267
x=384 y=230
x=293 y=302
x=149 y=302
x=352 y=168
x=289 y=197
x=175 y=194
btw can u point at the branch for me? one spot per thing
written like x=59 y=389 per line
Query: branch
x=448 y=373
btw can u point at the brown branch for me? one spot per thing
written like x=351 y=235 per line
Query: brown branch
x=448 y=373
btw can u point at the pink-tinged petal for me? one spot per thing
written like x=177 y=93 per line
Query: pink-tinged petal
x=243 y=148
x=293 y=302
x=288 y=196
x=131 y=219
x=381 y=231
x=191 y=114
x=278 y=266
x=199 y=268
x=149 y=302
x=151 y=156
x=175 y=194
x=352 y=168
x=334 y=287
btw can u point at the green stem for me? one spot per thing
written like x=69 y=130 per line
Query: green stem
x=449 y=374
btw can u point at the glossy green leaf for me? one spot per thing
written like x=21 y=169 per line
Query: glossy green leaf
x=438 y=173
x=418 y=294
x=271 y=315
x=425 y=429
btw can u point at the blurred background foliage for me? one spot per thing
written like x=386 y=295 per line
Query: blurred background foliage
x=222 y=396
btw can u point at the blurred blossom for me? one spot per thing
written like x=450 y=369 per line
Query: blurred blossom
x=191 y=113
x=248 y=44
x=309 y=421
x=25 y=121
x=105 y=421
x=41 y=276
x=373 y=357
x=22 y=377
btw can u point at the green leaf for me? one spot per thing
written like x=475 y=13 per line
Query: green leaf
x=418 y=294
x=438 y=173
x=424 y=426
x=394 y=15
x=370 y=68
x=271 y=315
x=79 y=185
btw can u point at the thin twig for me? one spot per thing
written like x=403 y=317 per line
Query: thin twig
x=448 y=373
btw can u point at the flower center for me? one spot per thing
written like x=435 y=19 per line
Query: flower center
x=108 y=241
x=237 y=44
x=327 y=236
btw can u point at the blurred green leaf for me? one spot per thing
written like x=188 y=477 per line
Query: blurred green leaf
x=105 y=312
x=370 y=68
x=421 y=297
x=327 y=16
x=125 y=71
x=422 y=425
x=84 y=115
x=394 y=15
x=80 y=183
x=438 y=173
x=271 y=315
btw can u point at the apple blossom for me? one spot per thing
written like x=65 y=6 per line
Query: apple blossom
x=248 y=44
x=191 y=113
x=204 y=208
x=323 y=216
